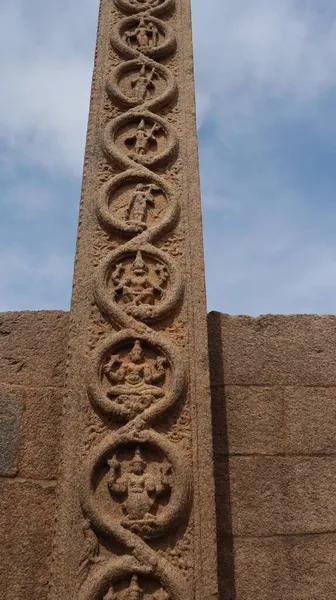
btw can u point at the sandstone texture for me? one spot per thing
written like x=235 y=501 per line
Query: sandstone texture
x=32 y=364
x=274 y=417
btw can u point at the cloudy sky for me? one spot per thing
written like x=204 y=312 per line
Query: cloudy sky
x=266 y=100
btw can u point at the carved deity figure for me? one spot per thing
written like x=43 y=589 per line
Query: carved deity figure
x=135 y=592
x=143 y=84
x=146 y=35
x=142 y=139
x=141 y=488
x=141 y=198
x=146 y=3
x=138 y=286
x=134 y=377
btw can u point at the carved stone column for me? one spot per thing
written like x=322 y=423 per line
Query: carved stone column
x=136 y=512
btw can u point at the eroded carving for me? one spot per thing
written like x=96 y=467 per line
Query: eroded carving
x=141 y=200
x=144 y=284
x=153 y=6
x=135 y=484
x=134 y=379
x=143 y=35
x=139 y=283
x=134 y=202
x=136 y=591
x=135 y=375
x=90 y=554
x=144 y=139
x=140 y=488
x=142 y=81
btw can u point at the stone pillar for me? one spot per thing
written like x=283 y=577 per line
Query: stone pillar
x=136 y=511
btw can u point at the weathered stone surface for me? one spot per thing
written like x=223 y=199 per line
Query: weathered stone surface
x=273 y=350
x=282 y=495
x=33 y=347
x=11 y=406
x=136 y=481
x=26 y=528
x=274 y=420
x=282 y=568
x=310 y=417
x=254 y=419
x=41 y=433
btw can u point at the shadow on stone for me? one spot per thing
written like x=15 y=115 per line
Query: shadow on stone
x=225 y=551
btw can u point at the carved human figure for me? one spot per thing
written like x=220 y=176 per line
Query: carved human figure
x=142 y=139
x=146 y=35
x=135 y=592
x=134 y=377
x=143 y=84
x=140 y=488
x=141 y=198
x=138 y=286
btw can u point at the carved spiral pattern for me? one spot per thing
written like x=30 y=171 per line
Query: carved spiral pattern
x=136 y=286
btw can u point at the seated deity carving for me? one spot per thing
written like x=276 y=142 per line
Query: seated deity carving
x=140 y=489
x=139 y=285
x=145 y=36
x=134 y=379
x=135 y=591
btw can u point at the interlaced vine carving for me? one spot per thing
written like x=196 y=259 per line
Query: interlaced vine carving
x=136 y=484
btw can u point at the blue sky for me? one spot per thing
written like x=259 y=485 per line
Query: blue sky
x=266 y=101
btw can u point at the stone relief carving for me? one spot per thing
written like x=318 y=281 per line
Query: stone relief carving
x=145 y=35
x=145 y=138
x=90 y=554
x=134 y=379
x=141 y=81
x=141 y=200
x=142 y=283
x=137 y=202
x=135 y=375
x=139 y=487
x=140 y=138
x=139 y=283
x=150 y=6
x=136 y=482
x=135 y=591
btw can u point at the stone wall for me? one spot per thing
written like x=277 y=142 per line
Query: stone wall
x=274 y=419
x=274 y=415
x=32 y=365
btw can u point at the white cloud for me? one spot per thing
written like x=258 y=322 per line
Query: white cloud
x=32 y=282
x=259 y=63
x=46 y=81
